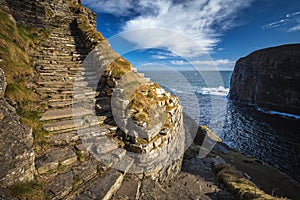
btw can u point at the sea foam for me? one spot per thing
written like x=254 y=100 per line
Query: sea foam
x=218 y=91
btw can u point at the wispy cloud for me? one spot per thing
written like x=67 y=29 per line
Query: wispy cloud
x=292 y=14
x=295 y=28
x=114 y=7
x=290 y=23
x=160 y=57
x=173 y=24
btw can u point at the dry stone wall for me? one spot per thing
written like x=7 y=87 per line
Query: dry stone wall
x=160 y=154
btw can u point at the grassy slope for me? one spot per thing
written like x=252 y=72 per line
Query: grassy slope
x=16 y=42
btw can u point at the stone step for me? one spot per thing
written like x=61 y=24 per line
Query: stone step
x=54 y=61
x=70 y=125
x=57 y=56
x=62 y=139
x=60 y=83
x=67 y=91
x=62 y=125
x=105 y=186
x=57 y=70
x=52 y=158
x=130 y=188
x=60 y=104
x=60 y=97
x=64 y=113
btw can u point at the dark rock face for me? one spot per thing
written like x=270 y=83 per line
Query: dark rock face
x=269 y=78
x=16 y=145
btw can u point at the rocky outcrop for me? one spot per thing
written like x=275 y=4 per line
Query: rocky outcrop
x=269 y=78
x=29 y=13
x=16 y=145
x=2 y=83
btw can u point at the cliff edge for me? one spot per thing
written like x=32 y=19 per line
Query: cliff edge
x=269 y=78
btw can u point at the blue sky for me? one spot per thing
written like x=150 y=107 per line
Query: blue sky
x=205 y=34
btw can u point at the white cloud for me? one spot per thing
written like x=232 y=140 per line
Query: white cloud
x=160 y=57
x=290 y=23
x=115 y=7
x=179 y=62
x=276 y=24
x=295 y=28
x=292 y=14
x=187 y=28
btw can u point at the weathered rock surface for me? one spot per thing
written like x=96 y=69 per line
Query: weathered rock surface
x=269 y=78
x=16 y=145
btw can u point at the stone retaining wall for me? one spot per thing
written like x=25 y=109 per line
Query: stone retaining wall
x=159 y=156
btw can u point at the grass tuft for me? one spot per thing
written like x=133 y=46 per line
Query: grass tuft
x=243 y=188
x=119 y=67
x=16 y=44
x=88 y=30
x=28 y=191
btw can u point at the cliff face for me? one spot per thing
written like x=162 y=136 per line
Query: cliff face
x=269 y=78
x=16 y=144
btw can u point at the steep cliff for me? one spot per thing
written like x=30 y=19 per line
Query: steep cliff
x=269 y=78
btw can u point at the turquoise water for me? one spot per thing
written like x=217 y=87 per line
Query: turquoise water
x=273 y=139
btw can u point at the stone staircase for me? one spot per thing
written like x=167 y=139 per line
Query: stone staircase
x=66 y=168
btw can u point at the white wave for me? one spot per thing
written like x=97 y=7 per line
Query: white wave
x=219 y=91
x=272 y=112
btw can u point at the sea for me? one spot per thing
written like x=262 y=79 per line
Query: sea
x=269 y=136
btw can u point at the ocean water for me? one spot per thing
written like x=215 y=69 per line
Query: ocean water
x=271 y=137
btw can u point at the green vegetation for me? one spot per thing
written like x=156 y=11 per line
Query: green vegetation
x=80 y=156
x=119 y=67
x=88 y=30
x=16 y=43
x=144 y=99
x=239 y=185
x=141 y=101
x=27 y=191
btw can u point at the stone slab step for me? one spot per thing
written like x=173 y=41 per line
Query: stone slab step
x=130 y=188
x=53 y=98
x=64 y=113
x=61 y=125
x=70 y=125
x=60 y=104
x=51 y=159
x=62 y=139
x=69 y=103
x=60 y=186
x=104 y=187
